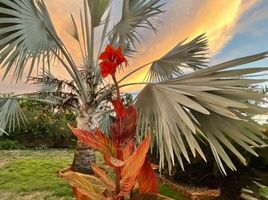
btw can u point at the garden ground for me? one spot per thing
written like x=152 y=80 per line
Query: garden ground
x=31 y=175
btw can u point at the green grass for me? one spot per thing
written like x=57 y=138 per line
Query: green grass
x=171 y=193
x=28 y=172
x=31 y=174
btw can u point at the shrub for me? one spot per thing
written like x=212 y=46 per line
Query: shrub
x=10 y=145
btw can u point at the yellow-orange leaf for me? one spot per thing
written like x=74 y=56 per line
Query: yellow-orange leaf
x=133 y=166
x=95 y=139
x=87 y=185
x=147 y=179
x=104 y=177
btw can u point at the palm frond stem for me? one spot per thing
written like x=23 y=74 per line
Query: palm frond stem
x=67 y=55
x=134 y=71
x=92 y=46
x=132 y=84
x=88 y=45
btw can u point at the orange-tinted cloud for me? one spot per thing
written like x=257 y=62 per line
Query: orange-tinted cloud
x=218 y=19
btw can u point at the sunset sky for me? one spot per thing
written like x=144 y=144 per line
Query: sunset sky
x=234 y=28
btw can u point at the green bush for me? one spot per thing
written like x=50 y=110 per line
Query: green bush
x=45 y=127
x=10 y=145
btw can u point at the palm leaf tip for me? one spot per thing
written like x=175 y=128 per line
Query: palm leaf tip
x=190 y=55
x=213 y=102
x=97 y=10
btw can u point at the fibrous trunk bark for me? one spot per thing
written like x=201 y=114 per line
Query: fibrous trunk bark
x=84 y=155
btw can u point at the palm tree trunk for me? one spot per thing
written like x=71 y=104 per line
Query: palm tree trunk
x=84 y=156
x=231 y=187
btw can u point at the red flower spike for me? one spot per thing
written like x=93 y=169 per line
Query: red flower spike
x=111 y=60
x=108 y=68
x=108 y=53
x=119 y=108
x=120 y=57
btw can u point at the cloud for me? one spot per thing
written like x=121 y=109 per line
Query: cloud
x=218 y=19
x=251 y=21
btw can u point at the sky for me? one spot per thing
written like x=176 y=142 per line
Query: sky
x=234 y=28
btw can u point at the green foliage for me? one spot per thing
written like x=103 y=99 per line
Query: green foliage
x=45 y=127
x=10 y=145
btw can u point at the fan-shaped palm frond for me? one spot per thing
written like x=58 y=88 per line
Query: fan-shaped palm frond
x=97 y=10
x=211 y=103
x=106 y=122
x=136 y=14
x=11 y=114
x=184 y=55
x=25 y=34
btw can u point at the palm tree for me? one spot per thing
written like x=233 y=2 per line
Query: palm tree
x=209 y=105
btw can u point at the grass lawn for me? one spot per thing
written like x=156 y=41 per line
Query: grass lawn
x=31 y=175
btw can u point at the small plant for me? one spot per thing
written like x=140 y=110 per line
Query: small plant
x=41 y=147
x=129 y=163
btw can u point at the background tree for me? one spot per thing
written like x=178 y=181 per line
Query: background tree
x=46 y=127
x=211 y=103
